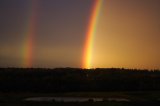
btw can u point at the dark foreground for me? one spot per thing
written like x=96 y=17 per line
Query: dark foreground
x=83 y=104
x=138 y=98
x=116 y=86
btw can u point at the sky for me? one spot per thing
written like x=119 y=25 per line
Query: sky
x=52 y=33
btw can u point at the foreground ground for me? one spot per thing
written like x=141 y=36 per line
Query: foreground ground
x=136 y=98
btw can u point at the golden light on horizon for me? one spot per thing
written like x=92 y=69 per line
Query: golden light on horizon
x=125 y=37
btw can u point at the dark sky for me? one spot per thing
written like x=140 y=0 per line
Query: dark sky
x=127 y=34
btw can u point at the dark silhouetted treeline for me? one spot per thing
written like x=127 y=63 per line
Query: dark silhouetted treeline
x=76 y=79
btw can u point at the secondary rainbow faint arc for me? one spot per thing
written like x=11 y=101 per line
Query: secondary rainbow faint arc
x=27 y=49
x=91 y=30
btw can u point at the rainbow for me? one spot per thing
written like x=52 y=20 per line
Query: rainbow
x=27 y=49
x=91 y=30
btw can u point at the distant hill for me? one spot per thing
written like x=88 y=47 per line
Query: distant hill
x=77 y=79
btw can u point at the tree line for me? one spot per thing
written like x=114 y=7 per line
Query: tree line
x=77 y=79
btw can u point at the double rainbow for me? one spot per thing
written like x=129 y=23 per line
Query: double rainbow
x=91 y=30
x=90 y=34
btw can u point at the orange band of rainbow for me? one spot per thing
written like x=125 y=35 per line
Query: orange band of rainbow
x=87 y=55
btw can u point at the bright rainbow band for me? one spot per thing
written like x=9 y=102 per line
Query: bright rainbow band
x=91 y=31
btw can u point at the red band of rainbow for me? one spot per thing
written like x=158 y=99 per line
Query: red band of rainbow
x=29 y=36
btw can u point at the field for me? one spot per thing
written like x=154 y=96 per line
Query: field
x=136 y=98
x=112 y=86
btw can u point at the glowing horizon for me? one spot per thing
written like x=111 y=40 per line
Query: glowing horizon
x=91 y=30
